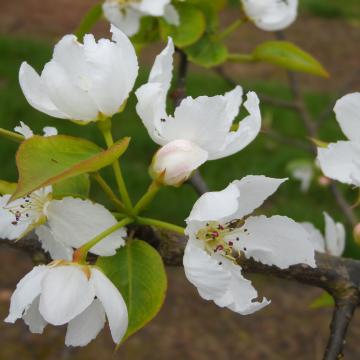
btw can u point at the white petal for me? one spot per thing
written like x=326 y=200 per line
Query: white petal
x=66 y=293
x=55 y=248
x=86 y=326
x=271 y=15
x=174 y=163
x=50 y=131
x=347 y=110
x=315 y=236
x=113 y=303
x=33 y=318
x=24 y=130
x=334 y=236
x=36 y=92
x=151 y=7
x=28 y=288
x=248 y=129
x=74 y=222
x=340 y=160
x=277 y=240
x=171 y=15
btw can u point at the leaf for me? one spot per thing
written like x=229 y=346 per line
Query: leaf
x=138 y=272
x=324 y=300
x=287 y=55
x=89 y=20
x=207 y=52
x=191 y=28
x=148 y=33
x=78 y=186
x=43 y=161
x=7 y=188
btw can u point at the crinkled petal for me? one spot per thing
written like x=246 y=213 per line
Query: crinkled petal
x=33 y=318
x=315 y=236
x=347 y=110
x=28 y=288
x=340 y=161
x=113 y=303
x=36 y=93
x=24 y=130
x=73 y=222
x=66 y=293
x=334 y=236
x=50 y=131
x=277 y=240
x=248 y=129
x=86 y=326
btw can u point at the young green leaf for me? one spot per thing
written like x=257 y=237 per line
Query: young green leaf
x=192 y=26
x=324 y=300
x=287 y=55
x=89 y=20
x=78 y=186
x=138 y=272
x=7 y=188
x=43 y=161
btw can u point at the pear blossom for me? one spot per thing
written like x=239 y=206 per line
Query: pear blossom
x=271 y=15
x=68 y=293
x=84 y=82
x=26 y=131
x=221 y=232
x=341 y=160
x=201 y=128
x=127 y=14
x=60 y=225
x=334 y=241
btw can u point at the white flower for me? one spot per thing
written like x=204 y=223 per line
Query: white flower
x=68 y=293
x=341 y=160
x=126 y=14
x=334 y=241
x=83 y=82
x=221 y=232
x=302 y=171
x=25 y=130
x=271 y=15
x=61 y=225
x=203 y=123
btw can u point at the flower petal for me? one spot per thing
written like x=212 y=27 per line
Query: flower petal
x=171 y=15
x=340 y=161
x=334 y=236
x=86 y=326
x=36 y=93
x=66 y=293
x=277 y=240
x=151 y=7
x=74 y=222
x=33 y=318
x=315 y=236
x=113 y=303
x=24 y=130
x=28 y=288
x=347 y=110
x=50 y=131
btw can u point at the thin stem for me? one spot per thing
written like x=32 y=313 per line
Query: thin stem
x=148 y=197
x=81 y=253
x=108 y=191
x=10 y=135
x=105 y=128
x=198 y=183
x=161 y=224
x=231 y=28
x=241 y=58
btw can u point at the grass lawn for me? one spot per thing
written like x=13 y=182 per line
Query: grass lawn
x=263 y=156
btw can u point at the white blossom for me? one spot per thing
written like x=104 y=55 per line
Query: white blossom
x=68 y=293
x=221 y=232
x=83 y=82
x=333 y=242
x=127 y=14
x=26 y=131
x=60 y=225
x=341 y=160
x=271 y=15
x=204 y=124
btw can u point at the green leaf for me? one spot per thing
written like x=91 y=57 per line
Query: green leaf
x=138 y=272
x=148 y=33
x=7 y=188
x=288 y=56
x=78 y=186
x=89 y=20
x=191 y=28
x=43 y=161
x=207 y=52
x=324 y=300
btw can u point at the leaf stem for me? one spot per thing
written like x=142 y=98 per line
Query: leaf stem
x=105 y=128
x=160 y=224
x=231 y=28
x=11 y=135
x=148 y=197
x=81 y=253
x=241 y=58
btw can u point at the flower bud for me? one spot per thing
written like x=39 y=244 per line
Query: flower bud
x=356 y=234
x=174 y=162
